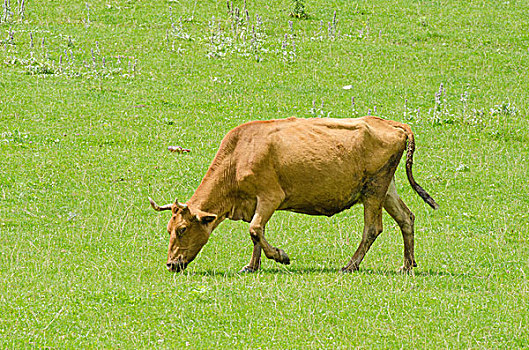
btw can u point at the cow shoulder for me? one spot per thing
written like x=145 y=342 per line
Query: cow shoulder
x=249 y=148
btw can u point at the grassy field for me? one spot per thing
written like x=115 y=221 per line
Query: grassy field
x=93 y=92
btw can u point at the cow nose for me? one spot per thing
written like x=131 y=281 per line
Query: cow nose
x=171 y=266
x=176 y=266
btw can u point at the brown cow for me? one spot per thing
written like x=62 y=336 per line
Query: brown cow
x=310 y=166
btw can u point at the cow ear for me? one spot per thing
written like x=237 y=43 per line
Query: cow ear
x=206 y=218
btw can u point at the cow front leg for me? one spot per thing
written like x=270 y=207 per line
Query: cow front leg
x=263 y=213
x=271 y=252
x=372 y=228
x=255 y=261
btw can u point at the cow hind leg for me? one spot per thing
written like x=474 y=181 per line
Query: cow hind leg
x=263 y=213
x=405 y=219
x=372 y=228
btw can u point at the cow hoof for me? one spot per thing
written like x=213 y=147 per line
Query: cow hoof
x=349 y=269
x=248 y=269
x=283 y=257
x=406 y=270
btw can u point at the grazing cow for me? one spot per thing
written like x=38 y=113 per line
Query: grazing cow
x=310 y=166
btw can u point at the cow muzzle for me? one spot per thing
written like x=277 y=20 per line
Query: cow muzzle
x=176 y=266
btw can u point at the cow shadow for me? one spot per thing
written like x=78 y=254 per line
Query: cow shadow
x=361 y=272
x=266 y=271
x=326 y=271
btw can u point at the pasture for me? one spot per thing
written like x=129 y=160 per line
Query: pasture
x=93 y=92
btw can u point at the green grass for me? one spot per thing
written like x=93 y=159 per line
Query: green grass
x=83 y=145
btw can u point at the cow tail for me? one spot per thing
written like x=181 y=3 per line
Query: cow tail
x=410 y=149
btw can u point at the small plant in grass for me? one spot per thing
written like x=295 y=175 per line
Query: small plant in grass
x=87 y=21
x=496 y=114
x=464 y=104
x=177 y=30
x=11 y=12
x=354 y=111
x=218 y=43
x=441 y=113
x=298 y=9
x=236 y=35
x=505 y=109
x=328 y=31
x=48 y=58
x=9 y=41
x=288 y=49
x=332 y=27
x=474 y=117
x=319 y=35
x=447 y=112
x=39 y=66
x=257 y=39
x=364 y=32
x=177 y=33
x=407 y=115
x=316 y=111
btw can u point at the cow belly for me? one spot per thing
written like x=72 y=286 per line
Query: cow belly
x=327 y=208
x=320 y=197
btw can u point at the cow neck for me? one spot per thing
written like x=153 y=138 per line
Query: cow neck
x=211 y=197
x=215 y=192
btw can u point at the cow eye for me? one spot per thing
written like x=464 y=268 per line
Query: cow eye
x=181 y=231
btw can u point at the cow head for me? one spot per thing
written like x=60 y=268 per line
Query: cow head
x=189 y=231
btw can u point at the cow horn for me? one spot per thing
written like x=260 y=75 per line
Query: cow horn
x=182 y=206
x=158 y=208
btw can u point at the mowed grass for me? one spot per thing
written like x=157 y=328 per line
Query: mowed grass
x=93 y=93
